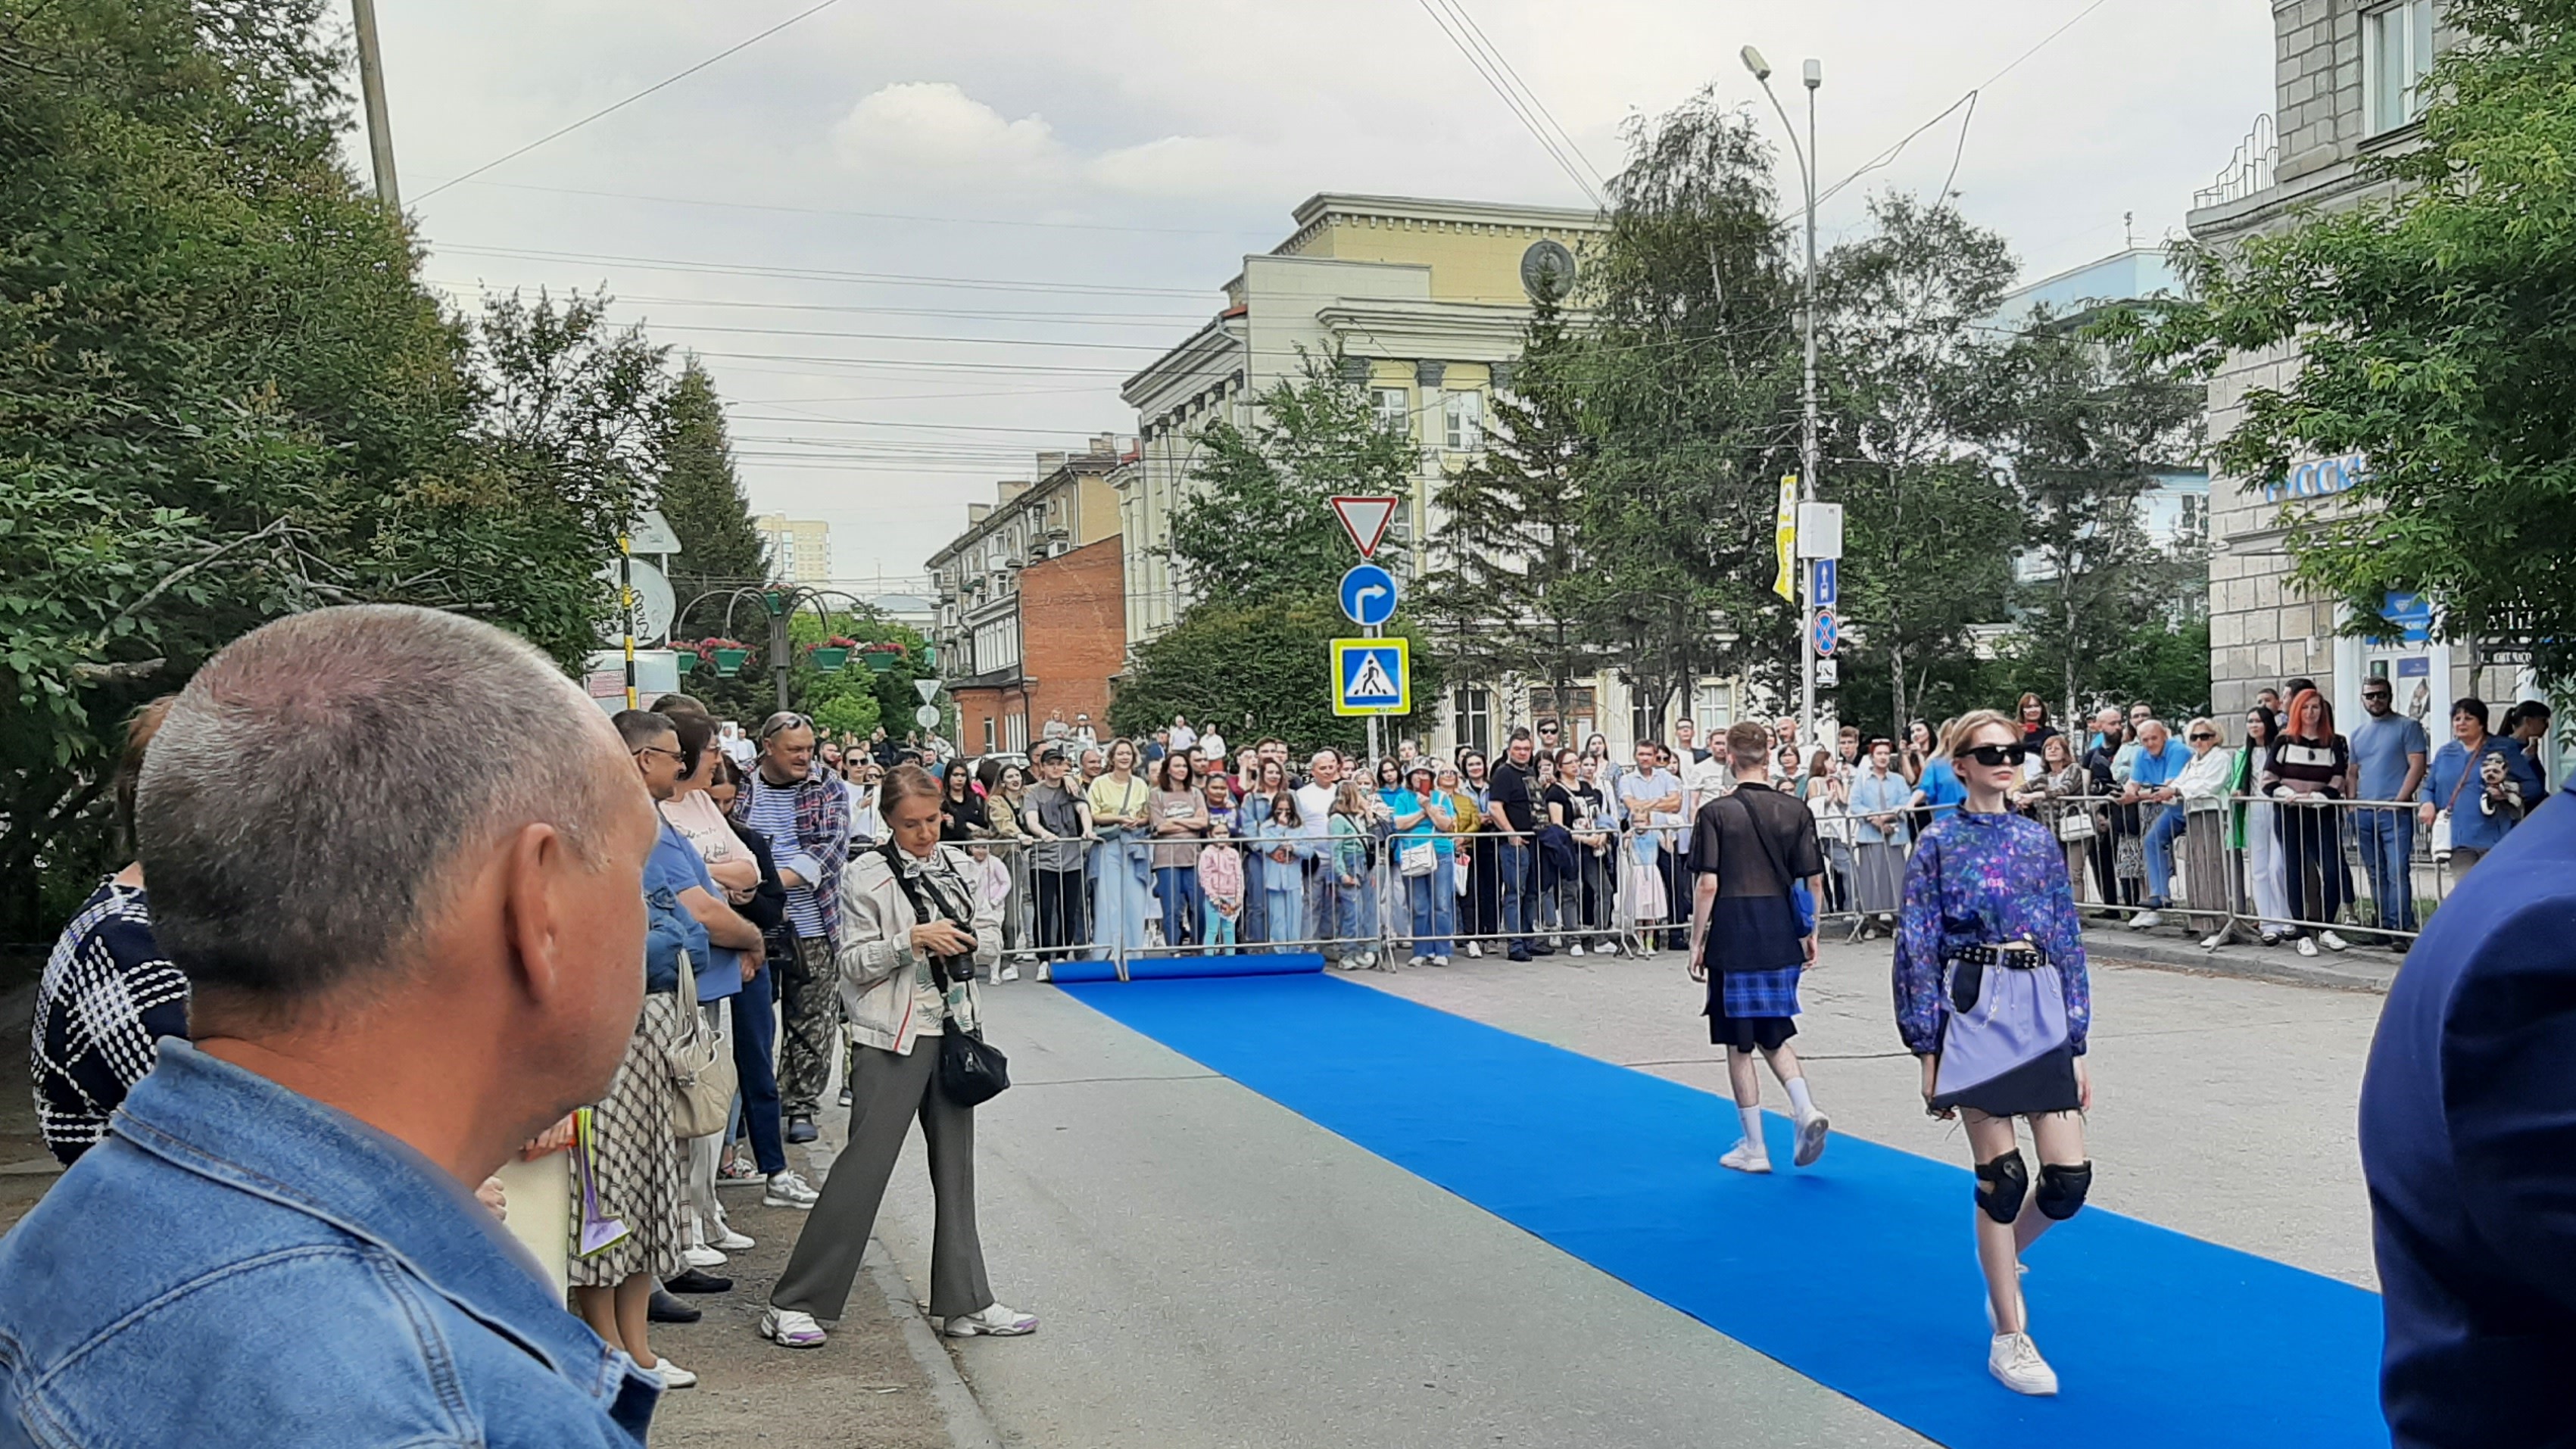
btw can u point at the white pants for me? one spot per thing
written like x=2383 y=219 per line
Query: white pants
x=701 y=1216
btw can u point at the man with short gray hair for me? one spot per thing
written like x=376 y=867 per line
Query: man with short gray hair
x=395 y=987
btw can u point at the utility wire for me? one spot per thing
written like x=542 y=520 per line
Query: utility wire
x=630 y=100
x=1528 y=93
x=820 y=274
x=863 y=215
x=1494 y=79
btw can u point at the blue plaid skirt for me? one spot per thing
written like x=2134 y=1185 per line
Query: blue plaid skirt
x=1754 y=953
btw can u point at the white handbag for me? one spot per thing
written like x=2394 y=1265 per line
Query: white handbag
x=1417 y=858
x=2075 y=826
x=702 y=1071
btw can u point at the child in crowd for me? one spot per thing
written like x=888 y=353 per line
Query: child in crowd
x=993 y=883
x=1220 y=887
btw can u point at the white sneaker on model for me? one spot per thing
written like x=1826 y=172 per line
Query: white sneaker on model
x=699 y=1255
x=2146 y=920
x=1745 y=1157
x=1811 y=1138
x=672 y=1375
x=995 y=1321
x=2015 y=1362
x=2333 y=942
x=790 y=1329
x=790 y=1190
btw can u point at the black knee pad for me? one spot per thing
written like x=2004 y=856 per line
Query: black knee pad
x=2001 y=1185
x=2062 y=1189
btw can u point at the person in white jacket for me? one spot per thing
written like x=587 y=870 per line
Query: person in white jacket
x=911 y=947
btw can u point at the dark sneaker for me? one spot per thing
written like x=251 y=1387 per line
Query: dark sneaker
x=801 y=1129
x=698 y=1280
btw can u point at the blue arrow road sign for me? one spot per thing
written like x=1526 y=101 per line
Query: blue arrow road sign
x=1372 y=676
x=1829 y=586
x=1827 y=632
x=1368 y=595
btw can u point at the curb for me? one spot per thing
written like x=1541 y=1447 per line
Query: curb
x=968 y=1426
x=2335 y=972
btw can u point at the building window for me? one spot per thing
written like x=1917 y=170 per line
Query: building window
x=1476 y=718
x=1393 y=409
x=988 y=734
x=2396 y=51
x=1462 y=419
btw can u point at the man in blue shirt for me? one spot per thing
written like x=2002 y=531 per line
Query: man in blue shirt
x=395 y=988
x=2468 y=1144
x=2388 y=751
x=2152 y=772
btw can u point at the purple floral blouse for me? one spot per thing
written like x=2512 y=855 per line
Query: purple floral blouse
x=1979 y=880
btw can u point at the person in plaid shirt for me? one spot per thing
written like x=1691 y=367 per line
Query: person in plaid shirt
x=804 y=810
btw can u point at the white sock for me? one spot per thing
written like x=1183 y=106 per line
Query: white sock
x=1798 y=1098
x=1753 y=1130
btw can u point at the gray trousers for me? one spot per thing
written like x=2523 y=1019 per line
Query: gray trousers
x=886 y=1092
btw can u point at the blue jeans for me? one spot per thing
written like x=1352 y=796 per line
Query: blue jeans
x=2160 y=838
x=2387 y=839
x=755 y=1034
x=1177 y=886
x=1435 y=903
x=1519 y=900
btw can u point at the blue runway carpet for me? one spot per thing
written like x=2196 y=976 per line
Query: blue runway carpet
x=1858 y=1273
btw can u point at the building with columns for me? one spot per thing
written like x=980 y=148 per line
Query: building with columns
x=2346 y=74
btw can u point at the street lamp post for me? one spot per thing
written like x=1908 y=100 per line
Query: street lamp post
x=1814 y=76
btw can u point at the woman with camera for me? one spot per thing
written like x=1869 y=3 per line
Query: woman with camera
x=914 y=932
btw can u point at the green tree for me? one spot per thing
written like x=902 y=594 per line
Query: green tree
x=1255 y=668
x=1691 y=379
x=1515 y=588
x=2434 y=339
x=1256 y=523
x=702 y=498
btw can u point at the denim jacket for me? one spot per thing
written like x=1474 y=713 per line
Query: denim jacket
x=239 y=1264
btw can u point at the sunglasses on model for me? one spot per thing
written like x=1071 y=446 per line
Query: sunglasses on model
x=1992 y=756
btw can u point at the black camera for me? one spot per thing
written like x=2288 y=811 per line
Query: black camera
x=960 y=967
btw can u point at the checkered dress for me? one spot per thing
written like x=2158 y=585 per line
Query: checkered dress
x=107 y=998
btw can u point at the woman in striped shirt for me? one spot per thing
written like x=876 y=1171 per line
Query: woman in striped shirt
x=2309 y=767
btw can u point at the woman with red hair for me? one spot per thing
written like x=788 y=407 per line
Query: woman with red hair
x=2309 y=767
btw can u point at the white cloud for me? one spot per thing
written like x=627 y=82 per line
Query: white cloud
x=933 y=128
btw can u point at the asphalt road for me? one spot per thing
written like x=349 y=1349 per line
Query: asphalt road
x=1215 y=1271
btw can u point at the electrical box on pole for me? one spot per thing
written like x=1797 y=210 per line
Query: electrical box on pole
x=1820 y=530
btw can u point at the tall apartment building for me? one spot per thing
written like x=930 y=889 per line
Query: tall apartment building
x=800 y=549
x=2346 y=75
x=1031 y=600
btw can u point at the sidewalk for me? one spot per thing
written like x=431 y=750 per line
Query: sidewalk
x=2365 y=967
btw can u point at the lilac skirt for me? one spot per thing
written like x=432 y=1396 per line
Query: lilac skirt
x=2009 y=1054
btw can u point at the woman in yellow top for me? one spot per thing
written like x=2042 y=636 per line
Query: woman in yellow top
x=1122 y=897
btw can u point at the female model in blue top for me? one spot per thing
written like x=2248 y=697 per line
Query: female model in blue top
x=1991 y=994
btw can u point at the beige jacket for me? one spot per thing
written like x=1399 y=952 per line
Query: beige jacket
x=884 y=991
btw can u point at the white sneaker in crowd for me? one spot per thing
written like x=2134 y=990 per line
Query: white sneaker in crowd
x=1418 y=960
x=2146 y=921
x=732 y=1241
x=1475 y=952
x=1010 y=973
x=1812 y=1131
x=2333 y=942
x=995 y=1321
x=790 y=1190
x=1046 y=971
x=790 y=1329
x=1439 y=960
x=672 y=1375
x=1574 y=950
x=699 y=1255
x=2015 y=1362
x=2307 y=945
x=1745 y=1157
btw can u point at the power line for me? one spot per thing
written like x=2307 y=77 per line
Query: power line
x=1459 y=8
x=872 y=215
x=1494 y=79
x=630 y=100
x=821 y=274
x=1084 y=319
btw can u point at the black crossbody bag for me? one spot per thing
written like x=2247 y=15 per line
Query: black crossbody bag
x=972 y=1071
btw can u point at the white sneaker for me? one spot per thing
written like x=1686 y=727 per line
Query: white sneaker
x=1574 y=950
x=790 y=1329
x=1475 y=952
x=2146 y=920
x=790 y=1190
x=1811 y=1138
x=672 y=1375
x=698 y=1255
x=1745 y=1157
x=1350 y=963
x=2015 y=1362
x=1046 y=971
x=1439 y=960
x=2333 y=942
x=733 y=1242
x=2307 y=946
x=995 y=1320
x=1010 y=973
x=1418 y=960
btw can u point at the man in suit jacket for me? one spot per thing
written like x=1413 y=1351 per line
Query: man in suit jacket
x=2468 y=1142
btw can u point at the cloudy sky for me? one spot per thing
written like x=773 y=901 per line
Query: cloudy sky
x=916 y=243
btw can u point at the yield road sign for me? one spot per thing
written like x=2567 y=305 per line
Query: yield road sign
x=1372 y=676
x=1368 y=595
x=1364 y=517
x=1829 y=583
x=1827 y=632
x=925 y=688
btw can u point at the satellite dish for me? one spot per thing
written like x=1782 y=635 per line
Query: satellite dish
x=654 y=604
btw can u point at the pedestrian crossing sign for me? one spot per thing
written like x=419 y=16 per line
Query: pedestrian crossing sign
x=1372 y=676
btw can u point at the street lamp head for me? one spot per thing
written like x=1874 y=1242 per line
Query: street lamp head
x=1754 y=62
x=1815 y=74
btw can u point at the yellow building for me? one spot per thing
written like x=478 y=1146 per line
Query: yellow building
x=800 y=549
